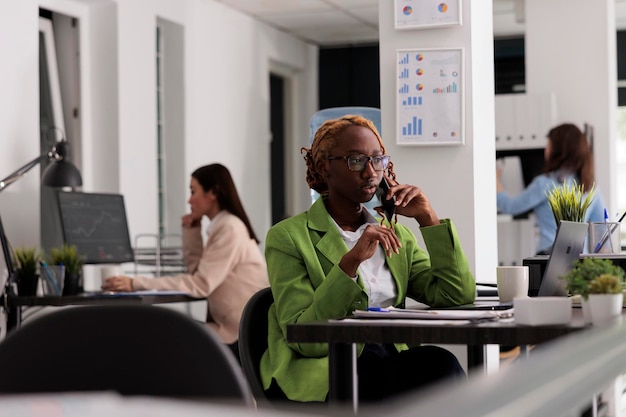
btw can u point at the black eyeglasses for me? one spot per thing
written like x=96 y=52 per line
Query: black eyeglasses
x=359 y=162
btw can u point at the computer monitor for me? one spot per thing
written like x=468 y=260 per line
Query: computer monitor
x=96 y=224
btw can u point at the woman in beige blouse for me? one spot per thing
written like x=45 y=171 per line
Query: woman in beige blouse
x=230 y=267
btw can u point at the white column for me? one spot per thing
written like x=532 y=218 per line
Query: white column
x=460 y=179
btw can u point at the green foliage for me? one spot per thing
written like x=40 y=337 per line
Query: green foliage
x=569 y=202
x=588 y=269
x=68 y=256
x=606 y=284
x=27 y=260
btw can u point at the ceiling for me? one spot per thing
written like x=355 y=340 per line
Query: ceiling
x=322 y=22
x=348 y=22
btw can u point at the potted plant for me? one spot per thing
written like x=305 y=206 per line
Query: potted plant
x=569 y=202
x=587 y=270
x=606 y=297
x=67 y=255
x=27 y=274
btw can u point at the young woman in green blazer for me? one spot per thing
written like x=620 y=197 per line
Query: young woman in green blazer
x=336 y=257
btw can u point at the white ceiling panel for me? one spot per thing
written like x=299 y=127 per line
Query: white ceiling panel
x=273 y=7
x=336 y=22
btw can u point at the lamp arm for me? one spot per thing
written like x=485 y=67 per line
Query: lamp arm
x=20 y=172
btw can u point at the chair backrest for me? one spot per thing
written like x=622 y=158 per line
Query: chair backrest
x=371 y=113
x=131 y=349
x=253 y=339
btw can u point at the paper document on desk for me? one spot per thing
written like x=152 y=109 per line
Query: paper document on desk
x=155 y=292
x=112 y=294
x=399 y=313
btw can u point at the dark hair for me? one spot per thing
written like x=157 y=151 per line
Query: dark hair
x=570 y=150
x=325 y=139
x=216 y=177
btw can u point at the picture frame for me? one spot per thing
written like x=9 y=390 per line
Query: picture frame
x=424 y=14
x=430 y=96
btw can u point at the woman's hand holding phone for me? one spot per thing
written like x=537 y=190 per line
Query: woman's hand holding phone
x=410 y=201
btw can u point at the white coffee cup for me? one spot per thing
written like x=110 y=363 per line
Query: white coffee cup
x=512 y=282
x=109 y=271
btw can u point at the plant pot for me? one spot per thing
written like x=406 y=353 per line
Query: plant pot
x=604 y=307
x=27 y=284
x=71 y=284
x=584 y=305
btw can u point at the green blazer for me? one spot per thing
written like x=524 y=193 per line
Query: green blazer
x=303 y=254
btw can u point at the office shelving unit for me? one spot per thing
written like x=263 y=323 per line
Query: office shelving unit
x=158 y=254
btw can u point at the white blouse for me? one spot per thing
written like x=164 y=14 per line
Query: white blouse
x=375 y=275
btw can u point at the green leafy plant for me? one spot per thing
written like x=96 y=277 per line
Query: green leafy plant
x=569 y=201
x=606 y=284
x=68 y=256
x=27 y=260
x=588 y=269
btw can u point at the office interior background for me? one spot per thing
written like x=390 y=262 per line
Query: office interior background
x=148 y=90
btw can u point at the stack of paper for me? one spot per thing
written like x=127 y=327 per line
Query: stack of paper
x=391 y=312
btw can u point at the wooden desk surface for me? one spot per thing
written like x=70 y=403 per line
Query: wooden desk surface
x=407 y=331
x=341 y=334
x=98 y=299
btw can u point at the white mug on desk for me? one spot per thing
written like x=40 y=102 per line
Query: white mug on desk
x=512 y=282
x=109 y=271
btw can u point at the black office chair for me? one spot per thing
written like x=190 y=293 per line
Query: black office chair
x=131 y=349
x=253 y=340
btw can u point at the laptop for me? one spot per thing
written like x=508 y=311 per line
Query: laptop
x=568 y=245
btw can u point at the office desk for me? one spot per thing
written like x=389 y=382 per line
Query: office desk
x=13 y=304
x=341 y=336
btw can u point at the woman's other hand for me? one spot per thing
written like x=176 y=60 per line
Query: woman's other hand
x=118 y=283
x=188 y=221
x=367 y=245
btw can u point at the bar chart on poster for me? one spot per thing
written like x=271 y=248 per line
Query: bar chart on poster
x=430 y=97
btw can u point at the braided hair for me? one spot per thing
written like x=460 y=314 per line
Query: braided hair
x=325 y=140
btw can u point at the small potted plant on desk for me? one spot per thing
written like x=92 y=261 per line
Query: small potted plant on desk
x=27 y=274
x=67 y=255
x=596 y=279
x=606 y=297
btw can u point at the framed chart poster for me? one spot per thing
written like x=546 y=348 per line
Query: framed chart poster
x=429 y=98
x=422 y=14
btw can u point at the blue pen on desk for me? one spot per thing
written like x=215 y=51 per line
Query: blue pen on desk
x=51 y=277
x=384 y=310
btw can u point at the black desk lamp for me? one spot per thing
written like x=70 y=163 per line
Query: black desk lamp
x=60 y=173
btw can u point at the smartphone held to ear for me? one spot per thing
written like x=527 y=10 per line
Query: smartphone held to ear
x=389 y=205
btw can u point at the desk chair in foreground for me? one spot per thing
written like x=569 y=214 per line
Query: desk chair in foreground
x=131 y=349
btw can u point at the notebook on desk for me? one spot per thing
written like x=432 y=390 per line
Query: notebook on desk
x=568 y=245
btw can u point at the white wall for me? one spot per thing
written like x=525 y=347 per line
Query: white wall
x=585 y=86
x=19 y=117
x=228 y=57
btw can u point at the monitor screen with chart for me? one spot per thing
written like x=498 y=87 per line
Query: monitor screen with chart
x=96 y=224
